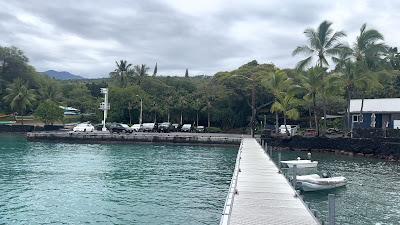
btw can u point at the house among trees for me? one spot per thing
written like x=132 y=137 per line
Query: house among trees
x=375 y=113
x=69 y=111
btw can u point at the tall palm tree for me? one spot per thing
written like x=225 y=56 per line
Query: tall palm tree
x=323 y=43
x=369 y=47
x=311 y=84
x=329 y=87
x=278 y=83
x=356 y=78
x=344 y=55
x=121 y=72
x=141 y=70
x=287 y=105
x=19 y=96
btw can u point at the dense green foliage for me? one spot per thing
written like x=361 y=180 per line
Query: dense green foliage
x=49 y=112
x=228 y=100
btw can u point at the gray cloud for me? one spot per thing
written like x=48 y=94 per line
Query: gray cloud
x=86 y=37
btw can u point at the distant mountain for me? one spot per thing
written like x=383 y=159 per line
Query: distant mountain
x=63 y=75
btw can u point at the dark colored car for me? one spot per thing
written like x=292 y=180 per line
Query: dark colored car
x=165 y=127
x=119 y=128
x=200 y=129
x=176 y=127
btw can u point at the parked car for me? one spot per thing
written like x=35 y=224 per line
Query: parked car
x=149 y=127
x=310 y=133
x=292 y=129
x=119 y=128
x=83 y=127
x=164 y=127
x=137 y=127
x=200 y=129
x=175 y=127
x=186 y=128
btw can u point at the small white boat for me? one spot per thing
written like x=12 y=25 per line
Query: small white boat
x=314 y=182
x=300 y=163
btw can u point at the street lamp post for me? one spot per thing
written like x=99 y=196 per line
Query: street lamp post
x=141 y=110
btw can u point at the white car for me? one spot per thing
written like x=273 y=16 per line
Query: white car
x=136 y=127
x=186 y=128
x=149 y=127
x=83 y=127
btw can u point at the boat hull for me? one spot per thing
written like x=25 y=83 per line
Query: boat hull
x=315 y=183
x=300 y=163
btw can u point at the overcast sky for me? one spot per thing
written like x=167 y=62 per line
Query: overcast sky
x=87 y=37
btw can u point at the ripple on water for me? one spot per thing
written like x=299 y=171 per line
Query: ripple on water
x=44 y=183
x=372 y=195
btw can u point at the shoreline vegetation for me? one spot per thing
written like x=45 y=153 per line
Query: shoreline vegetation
x=332 y=73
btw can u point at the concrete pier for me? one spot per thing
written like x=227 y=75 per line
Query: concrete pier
x=137 y=137
x=259 y=194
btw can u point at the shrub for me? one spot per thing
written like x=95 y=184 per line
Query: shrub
x=214 y=130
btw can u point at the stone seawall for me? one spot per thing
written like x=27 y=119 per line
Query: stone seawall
x=379 y=147
x=105 y=137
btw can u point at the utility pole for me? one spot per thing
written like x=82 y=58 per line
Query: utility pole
x=105 y=106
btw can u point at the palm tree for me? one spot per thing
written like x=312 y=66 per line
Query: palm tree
x=141 y=70
x=312 y=83
x=121 y=72
x=344 y=55
x=286 y=104
x=329 y=87
x=393 y=58
x=323 y=42
x=277 y=84
x=369 y=47
x=19 y=96
x=356 y=78
x=49 y=91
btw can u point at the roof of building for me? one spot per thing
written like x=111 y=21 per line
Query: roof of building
x=379 y=105
x=68 y=108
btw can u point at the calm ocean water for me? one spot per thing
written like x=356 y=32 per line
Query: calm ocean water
x=372 y=195
x=58 y=183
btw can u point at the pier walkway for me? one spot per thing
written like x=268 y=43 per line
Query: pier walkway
x=259 y=194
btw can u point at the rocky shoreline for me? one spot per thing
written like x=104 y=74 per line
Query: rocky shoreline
x=382 y=148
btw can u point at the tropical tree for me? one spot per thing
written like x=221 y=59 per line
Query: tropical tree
x=187 y=73
x=287 y=105
x=323 y=43
x=49 y=90
x=329 y=87
x=121 y=72
x=344 y=55
x=49 y=112
x=356 y=79
x=312 y=83
x=155 y=70
x=369 y=47
x=19 y=96
x=393 y=58
x=278 y=83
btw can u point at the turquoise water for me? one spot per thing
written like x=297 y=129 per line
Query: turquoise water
x=58 y=183
x=372 y=195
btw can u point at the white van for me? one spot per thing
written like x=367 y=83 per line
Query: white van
x=292 y=129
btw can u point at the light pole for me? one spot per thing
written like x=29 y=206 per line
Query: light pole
x=105 y=106
x=253 y=102
x=141 y=110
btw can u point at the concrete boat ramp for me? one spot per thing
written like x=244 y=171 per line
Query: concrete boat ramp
x=259 y=194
